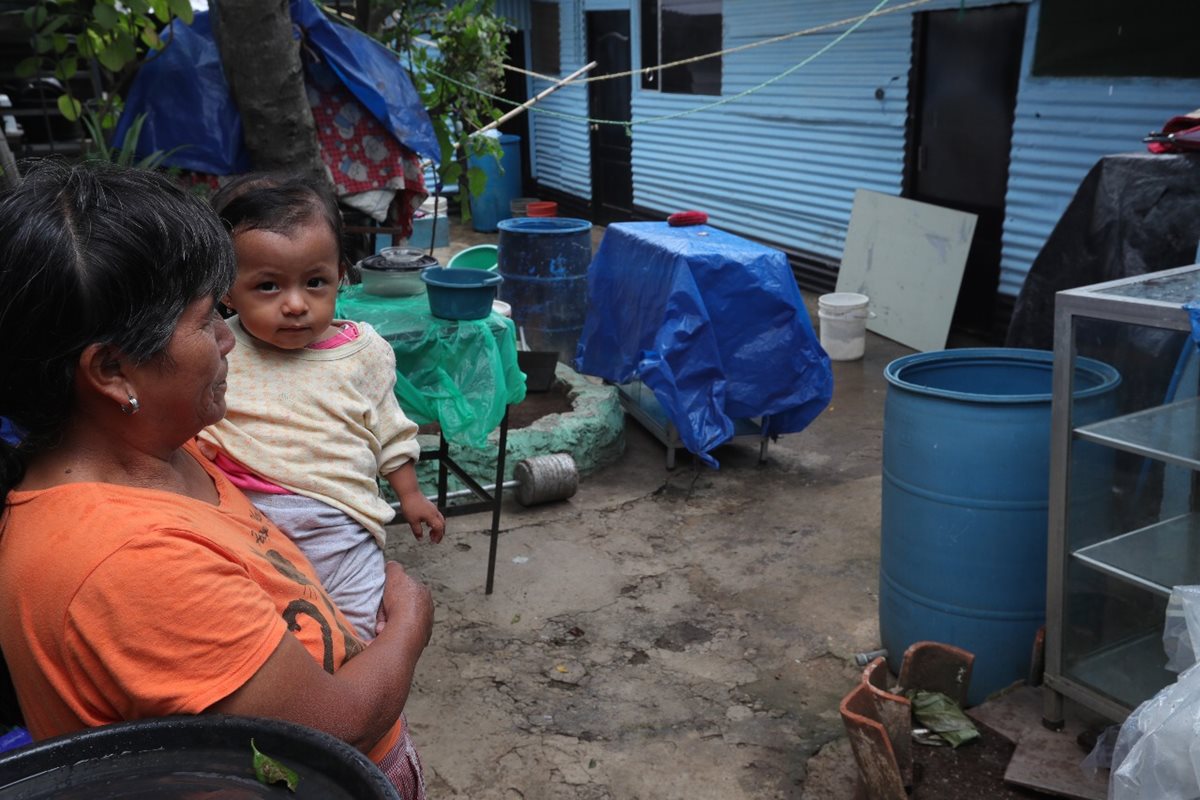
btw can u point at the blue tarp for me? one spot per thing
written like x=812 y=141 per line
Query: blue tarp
x=712 y=323
x=1193 y=312
x=184 y=94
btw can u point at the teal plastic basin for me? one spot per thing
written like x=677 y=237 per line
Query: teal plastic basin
x=460 y=293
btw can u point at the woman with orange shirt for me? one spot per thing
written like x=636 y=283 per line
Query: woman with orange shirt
x=137 y=581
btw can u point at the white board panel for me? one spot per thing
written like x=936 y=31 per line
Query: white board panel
x=908 y=257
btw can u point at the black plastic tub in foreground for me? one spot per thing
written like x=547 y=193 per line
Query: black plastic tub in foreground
x=188 y=756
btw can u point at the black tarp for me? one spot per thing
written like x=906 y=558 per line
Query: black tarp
x=1133 y=214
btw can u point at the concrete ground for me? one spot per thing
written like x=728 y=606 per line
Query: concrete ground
x=663 y=634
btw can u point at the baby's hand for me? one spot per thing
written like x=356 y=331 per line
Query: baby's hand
x=418 y=511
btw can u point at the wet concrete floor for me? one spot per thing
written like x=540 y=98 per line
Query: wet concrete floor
x=668 y=634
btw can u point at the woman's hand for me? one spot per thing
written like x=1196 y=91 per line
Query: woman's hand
x=361 y=701
x=406 y=601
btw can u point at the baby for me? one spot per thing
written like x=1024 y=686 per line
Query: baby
x=312 y=418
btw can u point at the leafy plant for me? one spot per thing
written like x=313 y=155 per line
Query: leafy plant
x=465 y=53
x=98 y=148
x=69 y=36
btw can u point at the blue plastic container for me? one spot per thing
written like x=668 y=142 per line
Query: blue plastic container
x=966 y=451
x=544 y=261
x=503 y=184
x=460 y=293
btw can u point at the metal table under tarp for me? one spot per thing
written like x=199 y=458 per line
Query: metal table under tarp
x=713 y=325
x=460 y=374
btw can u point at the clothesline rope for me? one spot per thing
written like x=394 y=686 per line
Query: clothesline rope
x=728 y=51
x=629 y=124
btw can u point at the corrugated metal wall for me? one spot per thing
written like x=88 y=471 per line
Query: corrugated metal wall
x=515 y=11
x=1063 y=127
x=782 y=164
x=561 y=149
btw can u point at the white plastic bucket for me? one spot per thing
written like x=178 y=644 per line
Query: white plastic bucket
x=843 y=318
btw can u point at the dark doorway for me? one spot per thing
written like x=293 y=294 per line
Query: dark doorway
x=516 y=91
x=966 y=66
x=612 y=149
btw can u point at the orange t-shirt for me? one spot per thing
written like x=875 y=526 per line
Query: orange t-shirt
x=124 y=603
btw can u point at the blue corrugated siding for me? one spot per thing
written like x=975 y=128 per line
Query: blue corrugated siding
x=782 y=165
x=515 y=11
x=1063 y=127
x=561 y=150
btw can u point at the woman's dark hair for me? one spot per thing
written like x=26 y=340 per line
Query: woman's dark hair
x=92 y=253
x=278 y=203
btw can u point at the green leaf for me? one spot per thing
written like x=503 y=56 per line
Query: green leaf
x=109 y=58
x=181 y=9
x=160 y=8
x=90 y=44
x=60 y=43
x=66 y=69
x=39 y=16
x=150 y=38
x=269 y=771
x=97 y=148
x=105 y=16
x=70 y=107
x=27 y=67
x=43 y=44
x=476 y=180
x=127 y=47
x=55 y=24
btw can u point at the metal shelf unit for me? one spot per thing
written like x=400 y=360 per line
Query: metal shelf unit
x=1111 y=565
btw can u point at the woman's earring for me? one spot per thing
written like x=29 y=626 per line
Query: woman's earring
x=132 y=408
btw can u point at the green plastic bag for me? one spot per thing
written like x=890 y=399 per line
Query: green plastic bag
x=940 y=714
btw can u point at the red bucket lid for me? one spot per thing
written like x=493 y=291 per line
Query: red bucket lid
x=542 y=208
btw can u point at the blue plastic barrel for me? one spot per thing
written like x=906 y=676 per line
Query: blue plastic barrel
x=503 y=184
x=544 y=261
x=966 y=452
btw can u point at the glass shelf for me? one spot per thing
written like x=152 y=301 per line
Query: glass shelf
x=1156 y=557
x=1128 y=672
x=1170 y=433
x=1177 y=288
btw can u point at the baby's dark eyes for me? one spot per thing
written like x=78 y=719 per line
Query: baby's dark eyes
x=317 y=283
x=266 y=286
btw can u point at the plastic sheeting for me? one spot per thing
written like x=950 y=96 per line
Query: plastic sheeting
x=186 y=98
x=462 y=375
x=1133 y=214
x=1157 y=754
x=712 y=323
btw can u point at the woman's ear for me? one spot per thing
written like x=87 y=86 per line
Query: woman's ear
x=101 y=370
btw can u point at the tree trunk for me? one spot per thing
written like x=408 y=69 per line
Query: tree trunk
x=9 y=175
x=261 y=61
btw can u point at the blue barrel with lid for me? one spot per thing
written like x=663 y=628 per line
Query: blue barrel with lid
x=966 y=475
x=544 y=262
x=503 y=184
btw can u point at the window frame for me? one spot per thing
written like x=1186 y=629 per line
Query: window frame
x=667 y=81
x=542 y=64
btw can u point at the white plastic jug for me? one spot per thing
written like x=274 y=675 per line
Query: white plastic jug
x=843 y=324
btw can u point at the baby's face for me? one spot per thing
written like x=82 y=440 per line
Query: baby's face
x=286 y=285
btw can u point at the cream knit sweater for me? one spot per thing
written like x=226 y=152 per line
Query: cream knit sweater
x=321 y=423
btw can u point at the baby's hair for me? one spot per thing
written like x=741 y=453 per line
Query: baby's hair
x=279 y=203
